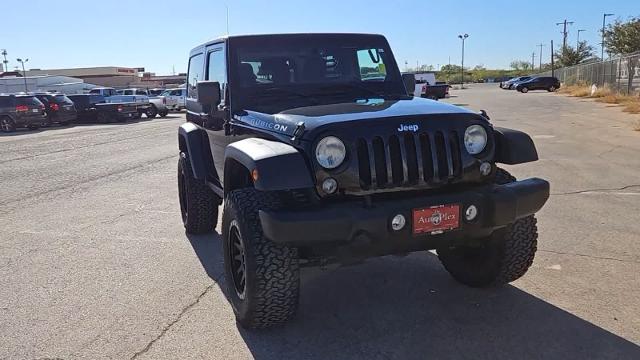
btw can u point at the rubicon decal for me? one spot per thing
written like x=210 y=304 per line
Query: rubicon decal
x=403 y=127
x=269 y=125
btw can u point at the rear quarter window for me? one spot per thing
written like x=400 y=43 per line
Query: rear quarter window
x=28 y=100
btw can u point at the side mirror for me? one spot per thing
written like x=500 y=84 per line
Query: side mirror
x=409 y=81
x=208 y=94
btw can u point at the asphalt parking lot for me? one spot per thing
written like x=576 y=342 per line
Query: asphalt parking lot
x=94 y=261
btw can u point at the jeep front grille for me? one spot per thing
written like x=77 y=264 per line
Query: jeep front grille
x=408 y=159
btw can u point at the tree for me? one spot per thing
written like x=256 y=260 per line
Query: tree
x=623 y=38
x=521 y=65
x=569 y=56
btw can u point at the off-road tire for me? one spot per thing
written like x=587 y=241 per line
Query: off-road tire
x=7 y=125
x=198 y=203
x=151 y=112
x=501 y=258
x=163 y=113
x=270 y=294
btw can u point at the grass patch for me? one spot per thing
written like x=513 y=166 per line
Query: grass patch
x=629 y=103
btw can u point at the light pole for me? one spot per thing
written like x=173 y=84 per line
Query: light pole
x=578 y=42
x=541 y=46
x=24 y=73
x=604 y=19
x=463 y=37
x=5 y=61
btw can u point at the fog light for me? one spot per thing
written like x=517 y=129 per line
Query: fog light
x=485 y=168
x=398 y=222
x=329 y=185
x=471 y=212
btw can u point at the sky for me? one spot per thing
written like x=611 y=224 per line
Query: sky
x=158 y=34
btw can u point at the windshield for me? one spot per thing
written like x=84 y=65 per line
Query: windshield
x=276 y=73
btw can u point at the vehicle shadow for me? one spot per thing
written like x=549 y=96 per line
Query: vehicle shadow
x=410 y=308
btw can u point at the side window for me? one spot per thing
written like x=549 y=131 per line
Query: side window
x=141 y=92
x=371 y=64
x=217 y=69
x=195 y=74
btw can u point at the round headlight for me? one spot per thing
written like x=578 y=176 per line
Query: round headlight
x=330 y=152
x=475 y=139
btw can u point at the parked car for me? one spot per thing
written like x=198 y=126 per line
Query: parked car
x=113 y=96
x=508 y=85
x=59 y=108
x=21 y=111
x=158 y=103
x=548 y=83
x=317 y=161
x=175 y=98
x=94 y=108
x=156 y=92
x=427 y=87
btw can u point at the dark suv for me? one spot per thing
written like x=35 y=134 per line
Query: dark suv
x=320 y=155
x=18 y=111
x=538 y=83
x=59 y=108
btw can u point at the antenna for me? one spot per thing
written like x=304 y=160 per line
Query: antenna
x=227 y=6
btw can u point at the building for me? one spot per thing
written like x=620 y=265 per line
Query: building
x=112 y=76
x=115 y=76
x=56 y=83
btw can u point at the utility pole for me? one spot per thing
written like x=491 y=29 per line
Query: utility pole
x=227 y=7
x=564 y=32
x=553 y=73
x=533 y=60
x=541 y=45
x=5 y=61
x=463 y=37
x=604 y=19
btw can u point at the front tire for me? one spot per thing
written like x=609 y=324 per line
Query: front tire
x=198 y=203
x=551 y=88
x=151 y=112
x=497 y=260
x=262 y=277
x=163 y=113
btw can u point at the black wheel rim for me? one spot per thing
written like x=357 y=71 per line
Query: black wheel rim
x=182 y=194
x=6 y=126
x=238 y=262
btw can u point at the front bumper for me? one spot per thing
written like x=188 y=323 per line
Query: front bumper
x=349 y=222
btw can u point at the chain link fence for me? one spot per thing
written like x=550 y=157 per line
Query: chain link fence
x=613 y=73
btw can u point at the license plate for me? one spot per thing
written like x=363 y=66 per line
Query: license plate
x=67 y=107
x=436 y=219
x=35 y=110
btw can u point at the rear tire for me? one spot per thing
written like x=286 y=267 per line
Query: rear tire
x=163 y=113
x=7 y=125
x=262 y=277
x=551 y=88
x=497 y=260
x=524 y=90
x=198 y=203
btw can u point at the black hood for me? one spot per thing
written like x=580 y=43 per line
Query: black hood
x=317 y=116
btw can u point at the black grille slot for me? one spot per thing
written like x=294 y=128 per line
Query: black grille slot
x=364 y=166
x=427 y=159
x=441 y=155
x=395 y=157
x=380 y=161
x=454 y=144
x=412 y=158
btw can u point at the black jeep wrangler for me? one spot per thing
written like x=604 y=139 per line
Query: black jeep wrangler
x=320 y=156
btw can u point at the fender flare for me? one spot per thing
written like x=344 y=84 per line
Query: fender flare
x=193 y=141
x=279 y=166
x=514 y=147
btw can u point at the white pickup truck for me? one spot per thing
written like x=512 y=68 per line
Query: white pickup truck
x=175 y=98
x=158 y=103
